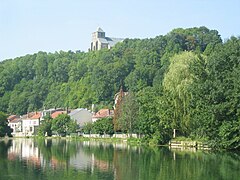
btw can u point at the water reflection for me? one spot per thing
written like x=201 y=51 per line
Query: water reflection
x=65 y=159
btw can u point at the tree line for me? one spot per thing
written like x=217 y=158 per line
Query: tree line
x=185 y=80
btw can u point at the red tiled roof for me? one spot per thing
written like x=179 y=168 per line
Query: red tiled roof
x=28 y=115
x=13 y=118
x=57 y=113
x=16 y=120
x=103 y=113
x=37 y=115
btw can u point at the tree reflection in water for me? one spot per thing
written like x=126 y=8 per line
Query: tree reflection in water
x=68 y=159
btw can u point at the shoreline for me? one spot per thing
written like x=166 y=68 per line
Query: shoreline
x=173 y=144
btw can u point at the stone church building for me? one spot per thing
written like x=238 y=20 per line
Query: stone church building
x=100 y=41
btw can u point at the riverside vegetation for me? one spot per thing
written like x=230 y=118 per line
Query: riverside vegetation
x=187 y=80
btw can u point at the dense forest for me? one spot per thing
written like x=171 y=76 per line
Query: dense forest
x=187 y=80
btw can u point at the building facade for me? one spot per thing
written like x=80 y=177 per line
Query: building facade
x=81 y=116
x=30 y=123
x=100 y=41
x=15 y=124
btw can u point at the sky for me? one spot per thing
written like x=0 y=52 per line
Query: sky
x=29 y=26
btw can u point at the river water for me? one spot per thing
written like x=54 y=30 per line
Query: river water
x=28 y=159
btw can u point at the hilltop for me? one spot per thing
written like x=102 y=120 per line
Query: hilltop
x=79 y=79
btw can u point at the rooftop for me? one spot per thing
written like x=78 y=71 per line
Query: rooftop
x=99 y=29
x=103 y=113
x=57 y=113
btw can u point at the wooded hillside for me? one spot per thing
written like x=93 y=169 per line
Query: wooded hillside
x=187 y=80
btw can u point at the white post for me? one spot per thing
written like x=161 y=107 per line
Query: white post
x=174 y=133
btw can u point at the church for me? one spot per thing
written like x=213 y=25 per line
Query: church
x=100 y=41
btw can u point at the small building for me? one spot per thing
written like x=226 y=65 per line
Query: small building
x=15 y=123
x=30 y=123
x=81 y=116
x=102 y=113
x=100 y=41
x=46 y=112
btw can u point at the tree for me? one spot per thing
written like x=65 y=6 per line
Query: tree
x=87 y=128
x=103 y=126
x=80 y=79
x=45 y=126
x=63 y=125
x=4 y=128
x=216 y=99
x=117 y=110
x=148 y=119
x=128 y=118
x=177 y=83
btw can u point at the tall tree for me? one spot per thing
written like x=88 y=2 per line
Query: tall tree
x=217 y=98
x=129 y=109
x=4 y=128
x=118 y=111
x=177 y=82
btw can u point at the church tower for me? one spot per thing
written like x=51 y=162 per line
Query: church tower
x=96 y=44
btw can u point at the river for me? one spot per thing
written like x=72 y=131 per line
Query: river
x=29 y=159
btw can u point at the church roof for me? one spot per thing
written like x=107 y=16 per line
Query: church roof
x=99 y=29
x=103 y=40
x=112 y=41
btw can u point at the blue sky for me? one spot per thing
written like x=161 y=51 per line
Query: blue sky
x=29 y=26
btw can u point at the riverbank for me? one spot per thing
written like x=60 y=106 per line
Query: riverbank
x=174 y=143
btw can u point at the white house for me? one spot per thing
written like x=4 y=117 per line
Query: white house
x=15 y=123
x=30 y=123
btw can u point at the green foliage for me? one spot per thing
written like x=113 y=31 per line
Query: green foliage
x=4 y=128
x=216 y=97
x=63 y=125
x=148 y=117
x=45 y=128
x=101 y=126
x=187 y=80
x=128 y=118
x=80 y=79
x=154 y=121
x=87 y=128
x=177 y=82
x=229 y=133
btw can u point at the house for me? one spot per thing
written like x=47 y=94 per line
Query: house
x=81 y=116
x=30 y=123
x=50 y=112
x=12 y=117
x=15 y=123
x=100 y=41
x=102 y=113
